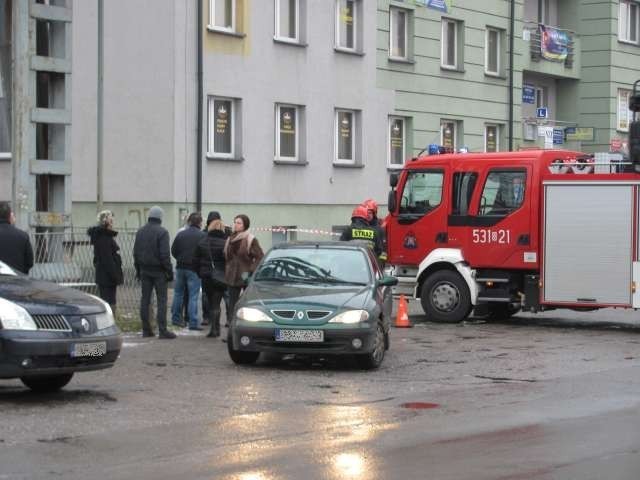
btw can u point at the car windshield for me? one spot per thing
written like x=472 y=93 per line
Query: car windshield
x=315 y=265
x=7 y=270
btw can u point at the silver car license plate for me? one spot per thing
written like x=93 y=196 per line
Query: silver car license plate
x=287 y=335
x=96 y=349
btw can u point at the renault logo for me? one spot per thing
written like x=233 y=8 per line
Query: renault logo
x=86 y=326
x=300 y=315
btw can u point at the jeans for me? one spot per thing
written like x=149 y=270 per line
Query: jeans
x=192 y=281
x=149 y=283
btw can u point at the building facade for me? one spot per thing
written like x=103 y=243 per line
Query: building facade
x=293 y=111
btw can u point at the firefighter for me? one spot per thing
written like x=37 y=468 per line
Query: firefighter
x=374 y=221
x=360 y=229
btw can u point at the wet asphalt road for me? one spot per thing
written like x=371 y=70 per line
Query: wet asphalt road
x=553 y=398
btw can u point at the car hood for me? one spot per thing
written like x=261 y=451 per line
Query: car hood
x=269 y=296
x=39 y=297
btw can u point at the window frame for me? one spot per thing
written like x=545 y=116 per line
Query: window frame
x=355 y=27
x=626 y=93
x=487 y=126
x=277 y=36
x=508 y=210
x=443 y=41
x=354 y=153
x=391 y=119
x=443 y=122
x=212 y=17
x=498 y=52
x=624 y=28
x=405 y=12
x=278 y=154
x=430 y=208
x=211 y=153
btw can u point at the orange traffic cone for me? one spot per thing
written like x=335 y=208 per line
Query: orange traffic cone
x=402 y=317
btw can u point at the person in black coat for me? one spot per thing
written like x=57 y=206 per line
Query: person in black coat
x=15 y=247
x=106 y=259
x=209 y=256
x=152 y=260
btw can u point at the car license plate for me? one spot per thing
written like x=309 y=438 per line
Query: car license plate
x=97 y=349
x=284 y=335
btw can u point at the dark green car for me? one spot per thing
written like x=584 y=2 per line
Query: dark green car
x=328 y=298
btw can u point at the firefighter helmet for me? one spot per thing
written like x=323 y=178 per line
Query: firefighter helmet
x=371 y=205
x=360 y=212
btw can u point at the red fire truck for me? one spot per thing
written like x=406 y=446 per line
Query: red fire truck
x=499 y=232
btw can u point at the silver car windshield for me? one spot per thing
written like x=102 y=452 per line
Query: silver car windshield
x=7 y=270
x=315 y=265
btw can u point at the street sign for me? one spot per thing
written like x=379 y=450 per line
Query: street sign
x=558 y=136
x=579 y=134
x=542 y=112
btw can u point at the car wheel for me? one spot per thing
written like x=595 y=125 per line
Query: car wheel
x=238 y=357
x=445 y=297
x=372 y=360
x=47 y=383
x=502 y=311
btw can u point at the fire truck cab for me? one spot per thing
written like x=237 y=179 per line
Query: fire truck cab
x=500 y=232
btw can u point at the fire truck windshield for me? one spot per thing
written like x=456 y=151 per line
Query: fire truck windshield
x=422 y=192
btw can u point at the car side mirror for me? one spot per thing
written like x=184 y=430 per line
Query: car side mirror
x=387 y=281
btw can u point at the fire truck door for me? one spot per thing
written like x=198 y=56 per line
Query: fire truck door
x=421 y=222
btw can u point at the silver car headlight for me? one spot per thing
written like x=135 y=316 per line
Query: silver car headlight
x=104 y=319
x=253 y=315
x=14 y=317
x=351 y=316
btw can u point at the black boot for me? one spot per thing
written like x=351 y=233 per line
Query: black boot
x=166 y=334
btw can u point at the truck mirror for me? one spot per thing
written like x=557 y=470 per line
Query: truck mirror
x=393 y=180
x=634 y=102
x=391 y=201
x=634 y=144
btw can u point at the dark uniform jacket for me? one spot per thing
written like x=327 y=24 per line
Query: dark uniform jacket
x=184 y=245
x=15 y=247
x=151 y=254
x=209 y=248
x=361 y=230
x=106 y=259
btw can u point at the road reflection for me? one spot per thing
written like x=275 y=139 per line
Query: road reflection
x=350 y=465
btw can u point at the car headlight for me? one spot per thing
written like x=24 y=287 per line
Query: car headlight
x=14 y=317
x=351 y=316
x=104 y=319
x=253 y=315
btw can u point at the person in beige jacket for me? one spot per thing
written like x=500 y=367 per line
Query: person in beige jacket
x=242 y=253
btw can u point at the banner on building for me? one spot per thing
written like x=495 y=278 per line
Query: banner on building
x=554 y=44
x=579 y=134
x=440 y=5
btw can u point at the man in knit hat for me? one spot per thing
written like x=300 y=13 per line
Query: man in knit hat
x=152 y=260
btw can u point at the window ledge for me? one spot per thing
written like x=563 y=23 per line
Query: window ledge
x=5 y=156
x=407 y=61
x=451 y=69
x=628 y=42
x=348 y=165
x=295 y=163
x=394 y=168
x=224 y=159
x=223 y=31
x=293 y=43
x=495 y=75
x=348 y=51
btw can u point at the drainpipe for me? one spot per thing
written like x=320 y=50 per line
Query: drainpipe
x=199 y=109
x=512 y=15
x=100 y=113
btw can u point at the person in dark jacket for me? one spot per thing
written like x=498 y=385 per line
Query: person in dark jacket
x=360 y=229
x=15 y=247
x=209 y=255
x=106 y=259
x=206 y=314
x=182 y=249
x=152 y=261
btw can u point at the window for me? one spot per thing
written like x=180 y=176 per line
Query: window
x=345 y=136
x=449 y=41
x=463 y=185
x=448 y=134
x=625 y=116
x=628 y=21
x=542 y=99
x=396 y=142
x=287 y=132
x=223 y=124
x=491 y=138
x=422 y=192
x=287 y=23
x=543 y=12
x=222 y=15
x=398 y=33
x=493 y=49
x=346 y=24
x=503 y=193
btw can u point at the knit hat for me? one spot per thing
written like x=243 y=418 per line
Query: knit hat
x=104 y=216
x=156 y=212
x=213 y=215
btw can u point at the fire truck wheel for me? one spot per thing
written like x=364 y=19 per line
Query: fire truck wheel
x=445 y=297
